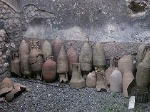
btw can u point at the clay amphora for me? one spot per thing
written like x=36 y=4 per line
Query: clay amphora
x=46 y=49
x=77 y=81
x=109 y=71
x=72 y=58
x=85 y=58
x=126 y=62
x=116 y=81
x=91 y=80
x=24 y=48
x=15 y=65
x=127 y=80
x=49 y=69
x=101 y=84
x=99 y=58
x=56 y=46
x=36 y=60
x=25 y=67
x=140 y=53
x=143 y=71
x=62 y=65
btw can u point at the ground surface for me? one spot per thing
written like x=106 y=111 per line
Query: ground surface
x=57 y=97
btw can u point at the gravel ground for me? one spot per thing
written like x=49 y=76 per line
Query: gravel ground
x=56 y=97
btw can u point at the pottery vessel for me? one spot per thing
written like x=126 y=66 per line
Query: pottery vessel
x=56 y=46
x=77 y=81
x=85 y=58
x=109 y=71
x=46 y=49
x=116 y=81
x=140 y=53
x=49 y=69
x=72 y=58
x=15 y=65
x=36 y=60
x=25 y=67
x=101 y=84
x=143 y=71
x=126 y=62
x=24 y=48
x=99 y=58
x=62 y=65
x=127 y=80
x=91 y=80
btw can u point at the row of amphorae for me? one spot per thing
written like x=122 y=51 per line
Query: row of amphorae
x=52 y=62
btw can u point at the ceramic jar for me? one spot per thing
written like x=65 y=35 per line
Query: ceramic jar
x=62 y=65
x=49 y=69
x=85 y=58
x=46 y=49
x=91 y=80
x=77 y=81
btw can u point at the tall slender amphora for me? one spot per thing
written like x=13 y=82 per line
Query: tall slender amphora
x=99 y=58
x=72 y=58
x=46 y=49
x=24 y=62
x=62 y=65
x=56 y=46
x=15 y=65
x=143 y=71
x=110 y=70
x=77 y=81
x=85 y=58
x=36 y=59
x=49 y=69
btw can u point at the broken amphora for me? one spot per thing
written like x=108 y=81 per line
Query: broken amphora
x=46 y=49
x=116 y=81
x=62 y=65
x=91 y=80
x=127 y=80
x=49 y=69
x=77 y=81
x=85 y=58
x=109 y=71
x=101 y=84
x=15 y=64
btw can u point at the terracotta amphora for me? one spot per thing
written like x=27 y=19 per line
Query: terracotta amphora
x=126 y=62
x=36 y=59
x=25 y=67
x=127 y=80
x=46 y=49
x=15 y=65
x=140 y=53
x=116 y=81
x=85 y=58
x=24 y=48
x=77 y=81
x=109 y=71
x=62 y=65
x=143 y=71
x=72 y=58
x=101 y=84
x=91 y=80
x=56 y=46
x=49 y=69
x=99 y=58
